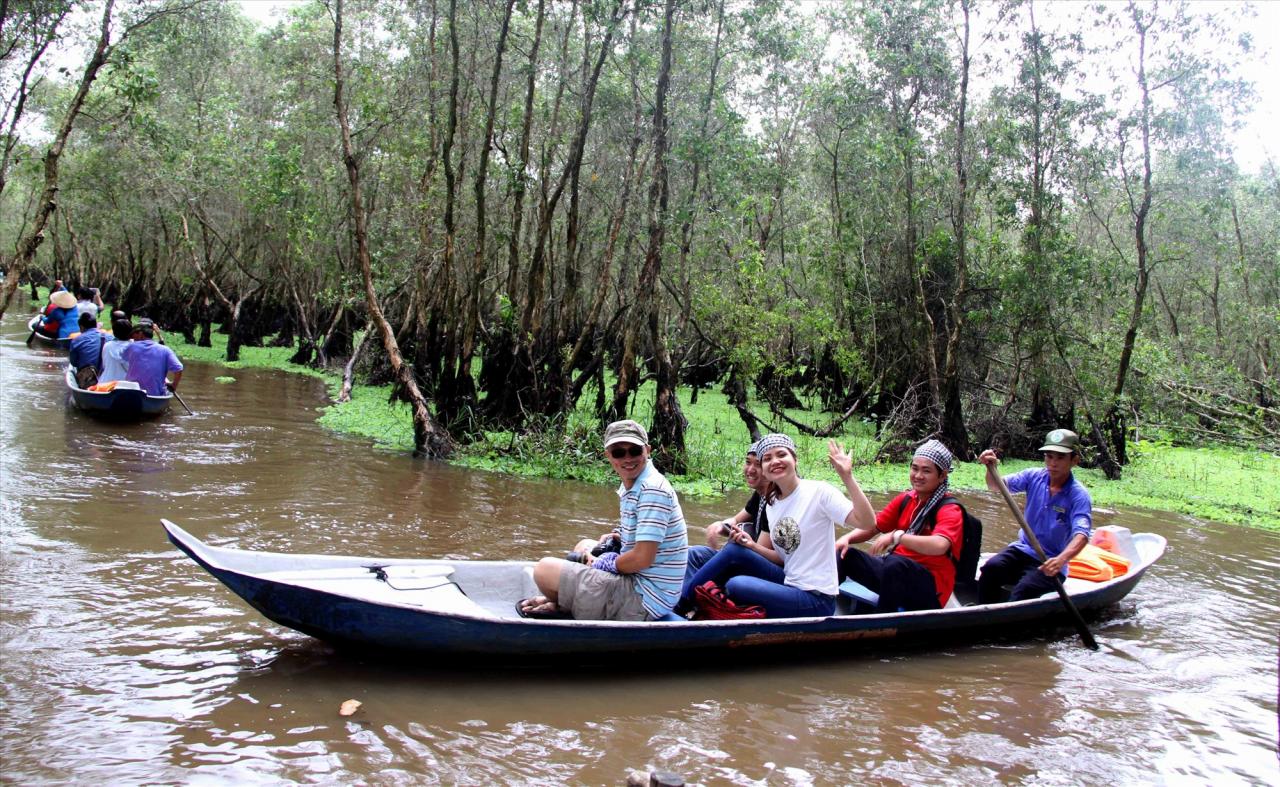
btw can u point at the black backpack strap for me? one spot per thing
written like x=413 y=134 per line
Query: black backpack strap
x=930 y=520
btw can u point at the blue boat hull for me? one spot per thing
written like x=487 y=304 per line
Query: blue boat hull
x=117 y=404
x=394 y=628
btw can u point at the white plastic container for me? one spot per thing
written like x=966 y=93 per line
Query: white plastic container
x=1115 y=539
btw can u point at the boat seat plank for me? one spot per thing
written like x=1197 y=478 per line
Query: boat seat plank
x=429 y=587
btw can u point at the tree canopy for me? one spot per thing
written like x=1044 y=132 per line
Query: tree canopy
x=966 y=219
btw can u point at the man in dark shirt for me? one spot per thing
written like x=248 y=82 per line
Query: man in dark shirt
x=751 y=518
x=86 y=351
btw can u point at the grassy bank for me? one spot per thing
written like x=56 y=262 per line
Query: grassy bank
x=1222 y=484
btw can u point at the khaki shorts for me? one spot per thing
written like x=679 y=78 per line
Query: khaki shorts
x=590 y=594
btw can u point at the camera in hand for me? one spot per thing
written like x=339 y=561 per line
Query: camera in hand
x=610 y=543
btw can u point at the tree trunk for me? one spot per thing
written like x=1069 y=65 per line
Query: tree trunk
x=669 y=423
x=43 y=38
x=535 y=345
x=521 y=177
x=429 y=440
x=586 y=338
x=34 y=236
x=234 y=336
x=464 y=390
x=349 y=370
x=1115 y=420
x=535 y=285
x=954 y=433
x=205 y=321
x=447 y=390
x=737 y=391
x=232 y=307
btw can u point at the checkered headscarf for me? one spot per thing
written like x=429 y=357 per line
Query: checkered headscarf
x=937 y=453
x=775 y=440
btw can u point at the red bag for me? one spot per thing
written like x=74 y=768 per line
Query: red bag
x=713 y=604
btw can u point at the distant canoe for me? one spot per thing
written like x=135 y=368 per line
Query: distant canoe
x=47 y=341
x=126 y=401
x=465 y=608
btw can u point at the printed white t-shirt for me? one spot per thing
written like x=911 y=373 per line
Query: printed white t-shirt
x=803 y=529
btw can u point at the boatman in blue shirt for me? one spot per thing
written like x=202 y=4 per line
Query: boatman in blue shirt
x=643 y=580
x=150 y=363
x=1060 y=513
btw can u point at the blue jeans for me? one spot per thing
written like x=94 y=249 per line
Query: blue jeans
x=750 y=578
x=698 y=557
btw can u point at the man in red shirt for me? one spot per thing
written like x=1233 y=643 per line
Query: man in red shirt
x=912 y=561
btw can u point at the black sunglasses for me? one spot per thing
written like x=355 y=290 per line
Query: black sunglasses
x=632 y=450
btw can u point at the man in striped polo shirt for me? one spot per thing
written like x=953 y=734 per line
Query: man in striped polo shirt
x=643 y=580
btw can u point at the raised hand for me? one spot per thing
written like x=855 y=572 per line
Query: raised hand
x=840 y=460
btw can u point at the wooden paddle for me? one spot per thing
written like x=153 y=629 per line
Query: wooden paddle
x=174 y=391
x=1081 y=626
x=35 y=325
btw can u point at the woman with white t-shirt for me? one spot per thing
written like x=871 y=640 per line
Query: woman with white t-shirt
x=791 y=570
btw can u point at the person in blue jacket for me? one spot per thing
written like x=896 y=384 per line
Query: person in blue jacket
x=1060 y=513
x=60 y=318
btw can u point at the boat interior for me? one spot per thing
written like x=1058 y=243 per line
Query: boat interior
x=492 y=589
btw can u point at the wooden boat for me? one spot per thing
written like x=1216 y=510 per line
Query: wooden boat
x=456 y=608
x=126 y=401
x=46 y=341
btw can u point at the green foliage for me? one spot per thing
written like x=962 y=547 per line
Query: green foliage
x=1235 y=485
x=369 y=415
x=250 y=357
x=825 y=147
x=1206 y=483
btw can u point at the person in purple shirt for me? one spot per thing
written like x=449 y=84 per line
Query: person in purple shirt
x=149 y=363
x=1060 y=513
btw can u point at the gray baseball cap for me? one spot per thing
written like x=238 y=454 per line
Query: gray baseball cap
x=625 y=432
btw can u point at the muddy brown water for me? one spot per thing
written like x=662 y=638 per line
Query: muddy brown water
x=121 y=661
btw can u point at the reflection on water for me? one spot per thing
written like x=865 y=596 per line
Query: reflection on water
x=125 y=662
